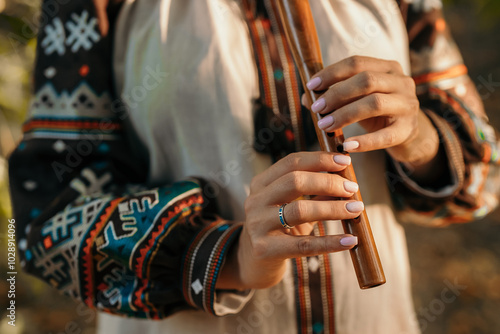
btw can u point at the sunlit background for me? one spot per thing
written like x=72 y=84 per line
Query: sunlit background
x=466 y=255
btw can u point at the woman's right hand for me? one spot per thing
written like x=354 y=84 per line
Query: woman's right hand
x=258 y=260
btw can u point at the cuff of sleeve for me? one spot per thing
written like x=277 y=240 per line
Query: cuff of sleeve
x=202 y=264
x=456 y=166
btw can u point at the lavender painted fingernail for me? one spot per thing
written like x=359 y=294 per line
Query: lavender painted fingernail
x=350 y=186
x=343 y=160
x=314 y=83
x=350 y=145
x=326 y=122
x=355 y=207
x=318 y=105
x=349 y=241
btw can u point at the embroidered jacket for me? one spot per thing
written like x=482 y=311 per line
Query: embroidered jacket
x=90 y=226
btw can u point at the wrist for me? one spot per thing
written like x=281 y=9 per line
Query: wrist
x=422 y=148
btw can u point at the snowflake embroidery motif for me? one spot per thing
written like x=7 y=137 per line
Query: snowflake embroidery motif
x=81 y=32
x=55 y=37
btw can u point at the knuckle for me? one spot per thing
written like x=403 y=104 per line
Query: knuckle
x=325 y=161
x=369 y=81
x=296 y=181
x=259 y=248
x=249 y=203
x=299 y=211
x=396 y=66
x=390 y=138
x=356 y=63
x=414 y=105
x=293 y=161
x=410 y=84
x=305 y=246
x=377 y=101
x=254 y=184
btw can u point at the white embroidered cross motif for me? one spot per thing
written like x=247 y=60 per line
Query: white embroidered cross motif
x=81 y=32
x=55 y=37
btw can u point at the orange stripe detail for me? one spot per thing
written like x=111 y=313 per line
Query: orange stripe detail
x=189 y=257
x=328 y=282
x=87 y=250
x=452 y=72
x=302 y=297
x=69 y=125
x=260 y=53
x=440 y=25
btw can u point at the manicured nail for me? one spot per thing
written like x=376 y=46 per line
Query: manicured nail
x=350 y=145
x=349 y=241
x=343 y=160
x=314 y=83
x=350 y=186
x=355 y=207
x=318 y=105
x=326 y=122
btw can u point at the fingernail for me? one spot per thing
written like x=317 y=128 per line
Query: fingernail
x=326 y=122
x=355 y=207
x=351 y=187
x=318 y=105
x=314 y=83
x=349 y=241
x=343 y=160
x=350 y=145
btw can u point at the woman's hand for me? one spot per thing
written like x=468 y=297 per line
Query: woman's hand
x=377 y=94
x=258 y=259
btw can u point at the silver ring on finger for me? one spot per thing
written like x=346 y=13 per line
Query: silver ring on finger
x=281 y=214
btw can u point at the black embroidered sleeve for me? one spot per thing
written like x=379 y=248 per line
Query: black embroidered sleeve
x=86 y=222
x=449 y=98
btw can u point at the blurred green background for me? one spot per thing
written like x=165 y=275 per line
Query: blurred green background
x=468 y=255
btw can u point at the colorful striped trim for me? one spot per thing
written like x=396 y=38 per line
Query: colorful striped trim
x=326 y=287
x=176 y=212
x=302 y=297
x=290 y=75
x=86 y=254
x=203 y=262
x=452 y=72
x=62 y=125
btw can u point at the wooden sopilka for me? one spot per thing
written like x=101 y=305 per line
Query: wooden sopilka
x=297 y=20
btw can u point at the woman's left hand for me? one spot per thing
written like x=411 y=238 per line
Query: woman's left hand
x=382 y=99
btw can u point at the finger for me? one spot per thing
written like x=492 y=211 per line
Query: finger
x=102 y=16
x=384 y=138
x=299 y=183
x=302 y=161
x=371 y=106
x=349 y=67
x=305 y=101
x=361 y=85
x=289 y=246
x=307 y=211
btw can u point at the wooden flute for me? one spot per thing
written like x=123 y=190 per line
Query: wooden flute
x=297 y=20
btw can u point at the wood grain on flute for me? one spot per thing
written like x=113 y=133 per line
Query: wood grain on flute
x=297 y=20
